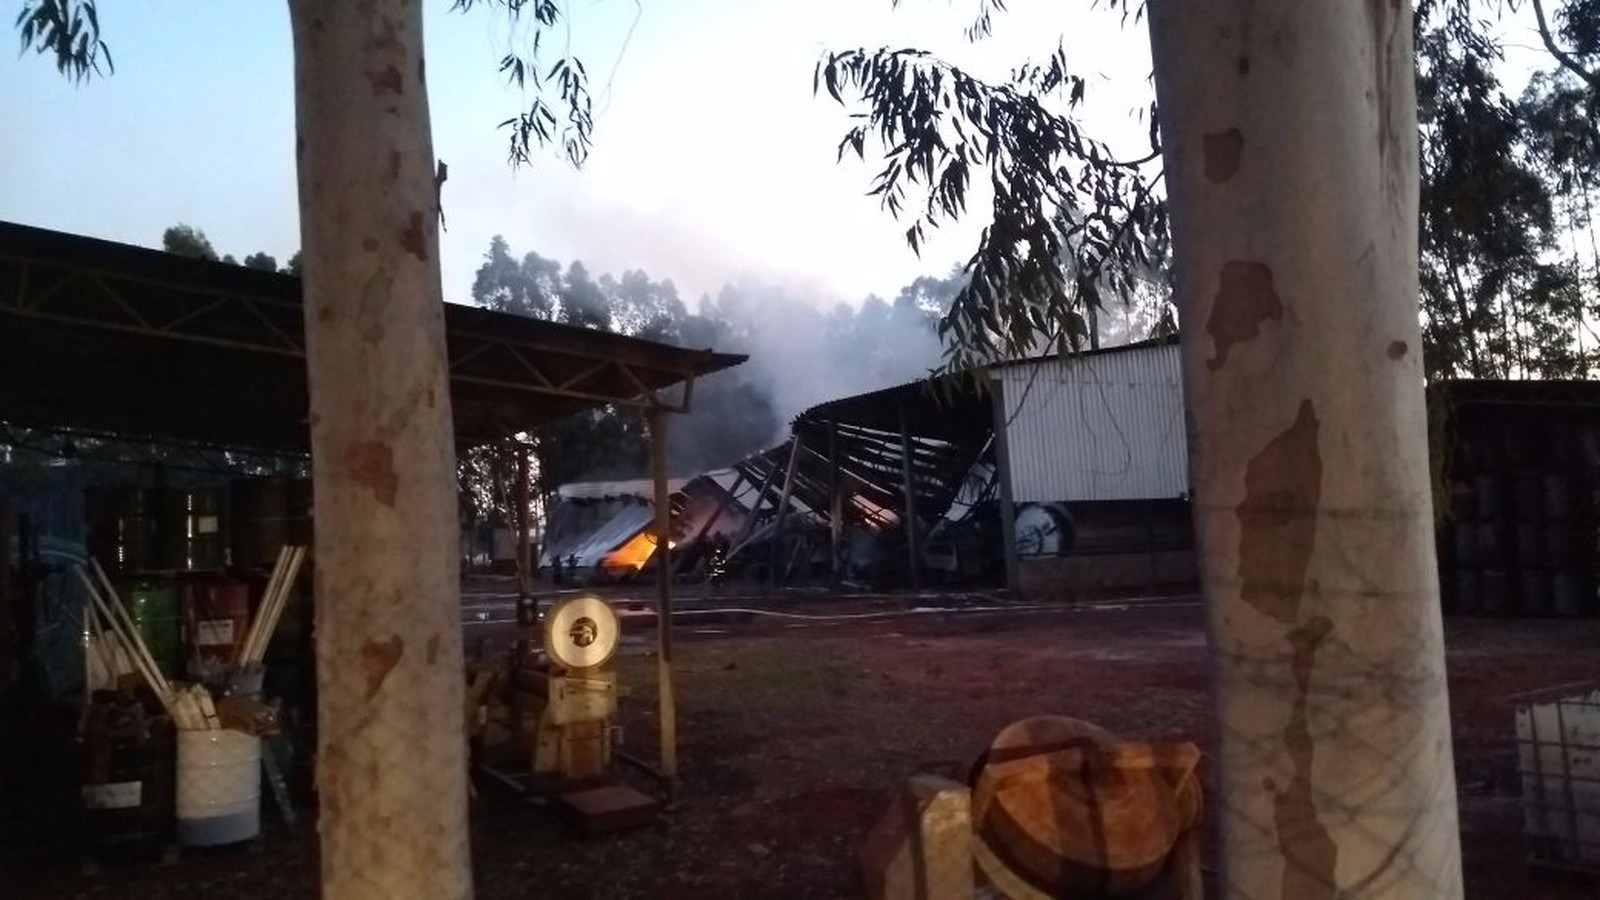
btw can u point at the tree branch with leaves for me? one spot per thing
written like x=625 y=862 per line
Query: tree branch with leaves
x=69 y=30
x=1070 y=220
x=569 y=123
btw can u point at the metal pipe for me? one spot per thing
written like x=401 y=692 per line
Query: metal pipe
x=643 y=766
x=524 y=562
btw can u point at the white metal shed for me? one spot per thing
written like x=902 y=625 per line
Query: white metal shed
x=1105 y=425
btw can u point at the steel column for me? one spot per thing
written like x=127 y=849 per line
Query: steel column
x=909 y=520
x=1002 y=466
x=665 y=698
x=783 y=509
x=524 y=563
x=835 y=505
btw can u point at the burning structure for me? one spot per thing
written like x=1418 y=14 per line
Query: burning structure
x=1069 y=475
x=1056 y=474
x=606 y=531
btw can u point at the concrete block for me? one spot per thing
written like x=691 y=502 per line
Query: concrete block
x=922 y=847
x=611 y=808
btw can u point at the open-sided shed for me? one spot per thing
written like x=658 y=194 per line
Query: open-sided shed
x=102 y=338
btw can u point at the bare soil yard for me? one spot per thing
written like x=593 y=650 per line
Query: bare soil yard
x=794 y=737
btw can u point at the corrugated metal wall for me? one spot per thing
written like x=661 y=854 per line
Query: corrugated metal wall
x=1107 y=426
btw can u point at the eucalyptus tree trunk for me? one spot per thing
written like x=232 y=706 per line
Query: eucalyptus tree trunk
x=391 y=765
x=1291 y=156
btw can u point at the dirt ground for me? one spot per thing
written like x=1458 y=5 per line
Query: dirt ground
x=793 y=738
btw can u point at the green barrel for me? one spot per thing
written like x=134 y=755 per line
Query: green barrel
x=153 y=605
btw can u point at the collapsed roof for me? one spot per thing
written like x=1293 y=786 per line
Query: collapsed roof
x=867 y=435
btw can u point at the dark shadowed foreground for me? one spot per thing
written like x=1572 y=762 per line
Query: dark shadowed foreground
x=793 y=737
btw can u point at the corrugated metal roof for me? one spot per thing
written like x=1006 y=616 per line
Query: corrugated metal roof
x=642 y=488
x=629 y=521
x=1108 y=426
x=214 y=353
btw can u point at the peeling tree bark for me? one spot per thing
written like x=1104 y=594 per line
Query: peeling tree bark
x=1289 y=134
x=391 y=762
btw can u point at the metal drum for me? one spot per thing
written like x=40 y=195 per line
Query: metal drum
x=1493 y=541
x=1561 y=539
x=1532 y=544
x=1494 y=592
x=126 y=772
x=1464 y=537
x=1558 y=495
x=1465 y=598
x=1489 y=496
x=218 y=613
x=268 y=513
x=122 y=528
x=1574 y=593
x=300 y=512
x=260 y=521
x=153 y=605
x=191 y=533
x=1537 y=592
x=1528 y=496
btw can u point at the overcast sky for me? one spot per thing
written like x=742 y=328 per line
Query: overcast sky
x=712 y=158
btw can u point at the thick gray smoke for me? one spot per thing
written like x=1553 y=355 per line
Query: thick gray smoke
x=802 y=355
x=803 y=351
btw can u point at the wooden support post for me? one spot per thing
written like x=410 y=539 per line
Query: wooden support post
x=909 y=520
x=667 y=703
x=783 y=510
x=1002 y=466
x=835 y=506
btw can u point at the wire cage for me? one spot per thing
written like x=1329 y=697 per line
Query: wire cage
x=1558 y=761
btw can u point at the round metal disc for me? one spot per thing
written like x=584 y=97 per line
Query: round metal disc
x=582 y=632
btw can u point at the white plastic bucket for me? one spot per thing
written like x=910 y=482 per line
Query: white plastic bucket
x=219 y=787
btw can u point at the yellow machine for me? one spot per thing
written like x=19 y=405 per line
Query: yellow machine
x=554 y=705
